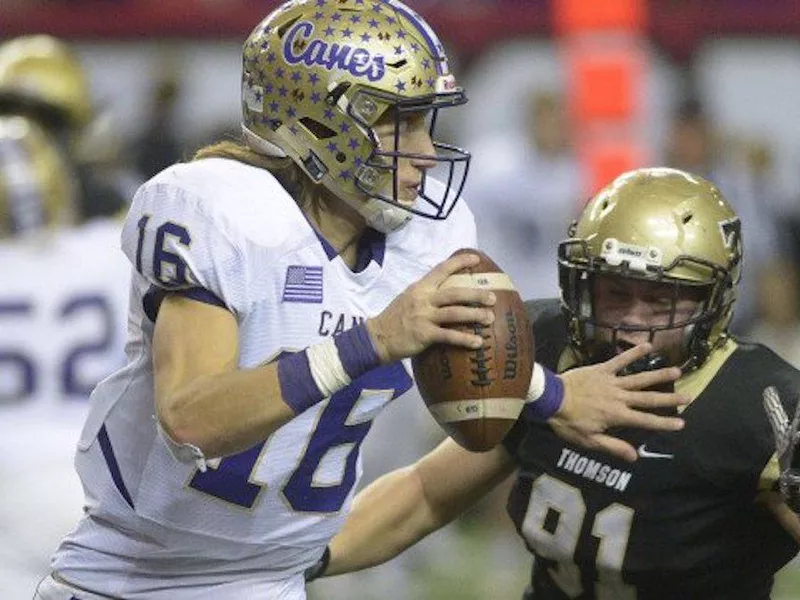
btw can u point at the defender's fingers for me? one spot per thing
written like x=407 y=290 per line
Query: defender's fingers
x=630 y=355
x=615 y=446
x=655 y=399
x=644 y=420
x=451 y=266
x=641 y=381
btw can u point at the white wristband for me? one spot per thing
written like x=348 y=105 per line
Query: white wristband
x=537 y=386
x=326 y=367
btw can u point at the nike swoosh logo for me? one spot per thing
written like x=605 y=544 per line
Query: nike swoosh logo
x=645 y=453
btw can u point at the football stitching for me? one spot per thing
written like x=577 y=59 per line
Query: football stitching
x=481 y=357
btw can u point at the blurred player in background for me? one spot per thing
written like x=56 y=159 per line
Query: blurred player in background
x=220 y=461
x=707 y=512
x=42 y=79
x=63 y=299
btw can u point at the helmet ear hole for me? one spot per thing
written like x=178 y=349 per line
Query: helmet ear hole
x=319 y=130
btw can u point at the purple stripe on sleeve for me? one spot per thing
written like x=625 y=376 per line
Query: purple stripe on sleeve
x=356 y=351
x=203 y=295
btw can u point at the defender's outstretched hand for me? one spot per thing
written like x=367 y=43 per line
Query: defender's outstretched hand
x=596 y=399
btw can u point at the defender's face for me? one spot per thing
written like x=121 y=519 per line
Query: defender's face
x=636 y=308
x=413 y=138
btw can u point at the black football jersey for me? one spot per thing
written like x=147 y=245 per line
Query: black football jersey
x=681 y=523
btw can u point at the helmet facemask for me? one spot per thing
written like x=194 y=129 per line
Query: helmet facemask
x=597 y=339
x=378 y=178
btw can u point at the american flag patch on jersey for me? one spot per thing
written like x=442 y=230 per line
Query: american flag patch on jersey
x=303 y=284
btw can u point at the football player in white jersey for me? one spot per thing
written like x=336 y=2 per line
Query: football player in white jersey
x=63 y=301
x=279 y=283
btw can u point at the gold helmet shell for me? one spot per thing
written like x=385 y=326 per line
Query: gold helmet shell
x=37 y=188
x=318 y=74
x=43 y=72
x=662 y=225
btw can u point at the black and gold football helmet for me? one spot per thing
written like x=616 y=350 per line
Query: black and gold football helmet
x=660 y=225
x=317 y=75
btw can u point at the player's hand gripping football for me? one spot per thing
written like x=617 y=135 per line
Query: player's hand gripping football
x=420 y=316
x=597 y=398
x=787 y=446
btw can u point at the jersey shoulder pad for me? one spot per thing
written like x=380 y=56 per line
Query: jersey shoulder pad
x=198 y=225
x=246 y=201
x=751 y=367
x=727 y=427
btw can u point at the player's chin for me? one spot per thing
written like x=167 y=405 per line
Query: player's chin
x=407 y=197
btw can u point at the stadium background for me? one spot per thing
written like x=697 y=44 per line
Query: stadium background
x=563 y=94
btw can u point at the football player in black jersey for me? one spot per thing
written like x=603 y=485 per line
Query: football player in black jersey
x=705 y=513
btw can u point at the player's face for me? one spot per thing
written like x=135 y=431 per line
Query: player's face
x=638 y=307
x=413 y=137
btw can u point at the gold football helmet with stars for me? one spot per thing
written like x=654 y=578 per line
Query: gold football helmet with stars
x=318 y=74
x=662 y=225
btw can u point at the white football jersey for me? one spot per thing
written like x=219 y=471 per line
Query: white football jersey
x=231 y=235
x=63 y=305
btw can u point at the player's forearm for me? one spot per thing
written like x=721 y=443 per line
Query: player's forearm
x=230 y=411
x=404 y=506
x=387 y=517
x=226 y=413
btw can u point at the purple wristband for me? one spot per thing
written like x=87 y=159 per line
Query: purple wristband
x=550 y=401
x=297 y=384
x=299 y=389
x=356 y=351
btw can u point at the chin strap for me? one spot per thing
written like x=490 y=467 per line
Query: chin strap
x=787 y=446
x=384 y=217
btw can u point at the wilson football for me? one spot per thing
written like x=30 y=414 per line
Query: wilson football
x=477 y=395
